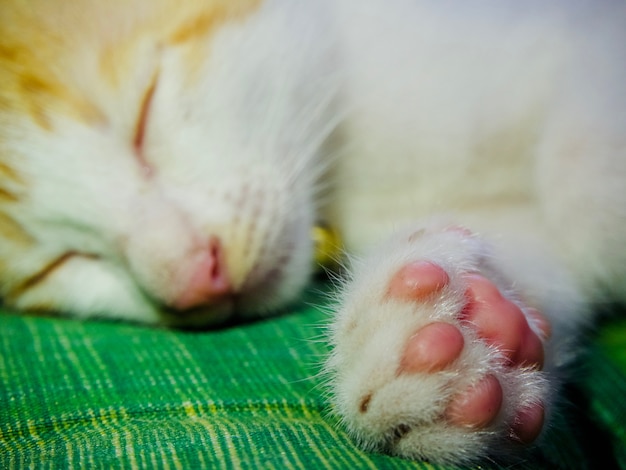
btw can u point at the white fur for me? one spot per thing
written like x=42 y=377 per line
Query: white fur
x=507 y=117
x=510 y=117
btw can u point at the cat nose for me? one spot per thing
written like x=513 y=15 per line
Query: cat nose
x=208 y=281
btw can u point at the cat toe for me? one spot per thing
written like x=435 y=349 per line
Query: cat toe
x=432 y=348
x=528 y=424
x=501 y=322
x=477 y=406
x=437 y=344
x=417 y=280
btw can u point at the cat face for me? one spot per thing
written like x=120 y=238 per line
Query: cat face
x=158 y=159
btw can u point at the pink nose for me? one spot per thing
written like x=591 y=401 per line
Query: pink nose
x=208 y=280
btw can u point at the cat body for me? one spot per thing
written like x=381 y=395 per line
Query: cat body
x=165 y=163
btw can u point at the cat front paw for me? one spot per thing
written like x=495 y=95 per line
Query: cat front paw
x=439 y=365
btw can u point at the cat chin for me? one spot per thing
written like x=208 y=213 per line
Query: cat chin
x=200 y=317
x=254 y=301
x=220 y=313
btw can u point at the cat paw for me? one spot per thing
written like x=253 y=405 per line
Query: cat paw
x=497 y=321
x=439 y=365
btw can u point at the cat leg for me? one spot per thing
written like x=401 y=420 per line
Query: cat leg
x=436 y=355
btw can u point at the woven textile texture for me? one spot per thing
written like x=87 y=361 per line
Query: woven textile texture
x=106 y=395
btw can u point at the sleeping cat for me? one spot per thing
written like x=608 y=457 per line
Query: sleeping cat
x=164 y=162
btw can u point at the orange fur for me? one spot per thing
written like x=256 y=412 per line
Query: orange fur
x=31 y=53
x=11 y=230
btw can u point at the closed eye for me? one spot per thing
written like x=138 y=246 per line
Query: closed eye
x=45 y=272
x=141 y=126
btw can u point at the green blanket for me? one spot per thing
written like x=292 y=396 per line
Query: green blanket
x=106 y=395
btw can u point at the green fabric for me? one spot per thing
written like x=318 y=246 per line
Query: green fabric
x=606 y=384
x=106 y=395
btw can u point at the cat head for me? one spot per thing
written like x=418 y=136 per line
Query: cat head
x=159 y=159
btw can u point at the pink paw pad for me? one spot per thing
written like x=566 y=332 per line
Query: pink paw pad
x=501 y=322
x=497 y=320
x=432 y=348
x=477 y=406
x=436 y=345
x=418 y=280
x=528 y=424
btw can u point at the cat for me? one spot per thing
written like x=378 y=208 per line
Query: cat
x=164 y=162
